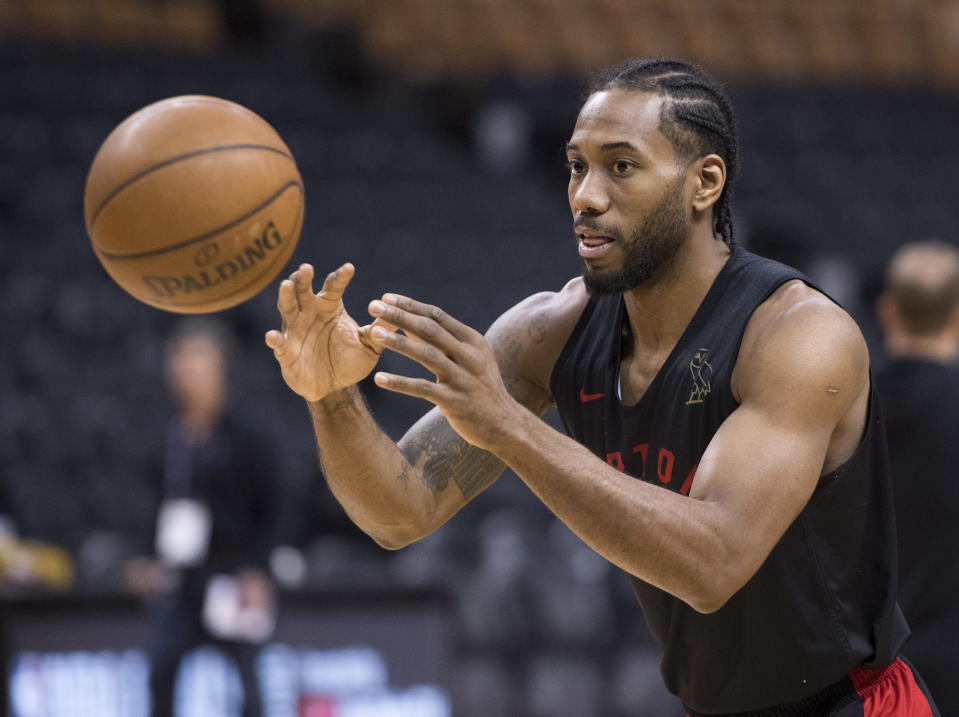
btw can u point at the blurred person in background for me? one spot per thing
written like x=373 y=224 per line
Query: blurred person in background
x=216 y=511
x=718 y=408
x=919 y=389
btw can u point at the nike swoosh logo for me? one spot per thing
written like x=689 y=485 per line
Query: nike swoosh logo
x=587 y=397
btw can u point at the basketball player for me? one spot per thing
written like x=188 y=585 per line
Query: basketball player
x=723 y=449
x=919 y=390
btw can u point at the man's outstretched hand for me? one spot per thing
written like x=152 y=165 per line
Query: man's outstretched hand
x=320 y=348
x=469 y=389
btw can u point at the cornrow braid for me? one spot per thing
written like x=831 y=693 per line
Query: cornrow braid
x=697 y=117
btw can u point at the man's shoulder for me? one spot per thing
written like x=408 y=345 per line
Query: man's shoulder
x=796 y=307
x=552 y=310
x=803 y=332
x=529 y=337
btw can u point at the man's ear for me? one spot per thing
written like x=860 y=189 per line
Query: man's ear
x=954 y=321
x=709 y=181
x=886 y=313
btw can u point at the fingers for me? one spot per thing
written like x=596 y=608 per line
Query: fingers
x=429 y=313
x=296 y=291
x=286 y=301
x=427 y=323
x=425 y=354
x=302 y=280
x=367 y=338
x=336 y=282
x=274 y=339
x=416 y=387
x=383 y=324
x=296 y=294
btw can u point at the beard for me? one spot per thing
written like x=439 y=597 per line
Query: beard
x=649 y=250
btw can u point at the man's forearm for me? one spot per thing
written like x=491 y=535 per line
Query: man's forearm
x=649 y=532
x=365 y=469
x=397 y=493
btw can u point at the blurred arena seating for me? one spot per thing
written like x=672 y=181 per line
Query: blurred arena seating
x=433 y=162
x=819 y=40
x=170 y=23
x=822 y=40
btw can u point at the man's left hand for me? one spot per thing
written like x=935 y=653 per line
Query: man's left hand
x=468 y=390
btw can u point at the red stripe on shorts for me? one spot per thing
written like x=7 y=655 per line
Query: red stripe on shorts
x=890 y=692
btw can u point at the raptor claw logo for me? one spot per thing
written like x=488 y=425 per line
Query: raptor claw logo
x=702 y=375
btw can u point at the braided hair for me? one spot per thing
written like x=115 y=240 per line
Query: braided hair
x=697 y=116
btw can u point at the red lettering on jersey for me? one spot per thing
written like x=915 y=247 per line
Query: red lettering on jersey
x=642 y=449
x=688 y=483
x=615 y=459
x=664 y=466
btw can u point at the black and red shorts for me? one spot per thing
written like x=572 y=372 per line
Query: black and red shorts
x=896 y=690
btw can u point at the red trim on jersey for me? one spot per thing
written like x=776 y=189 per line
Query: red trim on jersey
x=890 y=692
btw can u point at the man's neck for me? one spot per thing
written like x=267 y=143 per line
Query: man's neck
x=198 y=424
x=941 y=348
x=660 y=311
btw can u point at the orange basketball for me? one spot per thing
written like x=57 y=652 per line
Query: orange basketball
x=193 y=204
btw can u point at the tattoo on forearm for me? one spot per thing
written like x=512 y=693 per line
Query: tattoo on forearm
x=445 y=455
x=478 y=469
x=333 y=404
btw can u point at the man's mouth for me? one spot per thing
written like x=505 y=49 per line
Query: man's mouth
x=594 y=239
x=592 y=234
x=593 y=245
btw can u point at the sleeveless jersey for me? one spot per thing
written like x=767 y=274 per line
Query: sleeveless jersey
x=824 y=601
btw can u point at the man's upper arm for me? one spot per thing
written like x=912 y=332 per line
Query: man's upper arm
x=800 y=377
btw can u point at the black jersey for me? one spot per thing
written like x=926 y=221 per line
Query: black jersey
x=920 y=401
x=824 y=600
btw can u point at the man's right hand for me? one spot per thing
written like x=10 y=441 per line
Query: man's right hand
x=320 y=348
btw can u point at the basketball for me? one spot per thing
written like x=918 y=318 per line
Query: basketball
x=193 y=204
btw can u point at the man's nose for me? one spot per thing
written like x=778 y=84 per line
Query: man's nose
x=589 y=195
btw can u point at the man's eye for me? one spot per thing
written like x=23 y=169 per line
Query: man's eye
x=621 y=166
x=575 y=166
